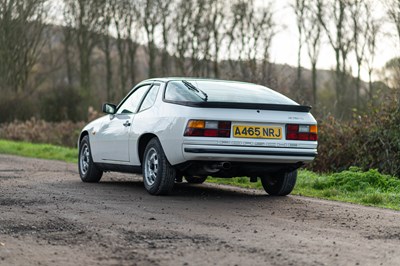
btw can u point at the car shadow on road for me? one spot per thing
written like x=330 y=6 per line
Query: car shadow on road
x=191 y=191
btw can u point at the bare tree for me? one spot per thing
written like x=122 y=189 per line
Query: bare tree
x=262 y=30
x=267 y=37
x=206 y=42
x=312 y=32
x=68 y=43
x=372 y=35
x=133 y=28
x=360 y=29
x=237 y=33
x=299 y=8
x=84 y=17
x=108 y=14
x=165 y=12
x=217 y=19
x=151 y=20
x=121 y=21
x=197 y=32
x=21 y=27
x=182 y=24
x=249 y=36
x=393 y=11
x=335 y=19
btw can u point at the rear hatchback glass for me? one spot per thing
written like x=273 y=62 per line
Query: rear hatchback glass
x=222 y=91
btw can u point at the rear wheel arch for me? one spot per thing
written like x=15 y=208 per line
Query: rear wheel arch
x=142 y=144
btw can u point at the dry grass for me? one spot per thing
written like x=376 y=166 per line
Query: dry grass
x=39 y=131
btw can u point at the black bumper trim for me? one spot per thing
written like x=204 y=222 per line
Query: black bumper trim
x=244 y=152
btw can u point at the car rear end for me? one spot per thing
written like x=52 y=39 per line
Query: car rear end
x=234 y=129
x=251 y=136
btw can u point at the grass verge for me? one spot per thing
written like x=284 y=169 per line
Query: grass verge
x=369 y=188
x=43 y=151
x=366 y=188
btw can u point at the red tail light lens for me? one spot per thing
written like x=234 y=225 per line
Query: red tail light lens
x=302 y=132
x=201 y=128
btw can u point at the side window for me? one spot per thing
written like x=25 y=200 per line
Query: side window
x=150 y=98
x=131 y=104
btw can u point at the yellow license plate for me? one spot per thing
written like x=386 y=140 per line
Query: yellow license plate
x=257 y=132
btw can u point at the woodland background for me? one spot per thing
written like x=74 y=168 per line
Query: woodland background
x=61 y=59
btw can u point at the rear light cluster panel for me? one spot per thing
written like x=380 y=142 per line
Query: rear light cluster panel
x=205 y=128
x=222 y=129
x=301 y=132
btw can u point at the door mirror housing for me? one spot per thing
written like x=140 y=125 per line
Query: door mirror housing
x=109 y=108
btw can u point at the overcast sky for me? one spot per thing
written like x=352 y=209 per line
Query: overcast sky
x=284 y=49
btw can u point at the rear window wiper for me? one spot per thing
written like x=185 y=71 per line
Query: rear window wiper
x=191 y=87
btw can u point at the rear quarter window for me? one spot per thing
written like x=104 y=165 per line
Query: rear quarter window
x=150 y=98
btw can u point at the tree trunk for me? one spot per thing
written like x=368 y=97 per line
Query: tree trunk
x=216 y=63
x=370 y=92
x=132 y=47
x=67 y=44
x=109 y=73
x=299 y=87
x=121 y=55
x=85 y=71
x=338 y=78
x=152 y=57
x=314 y=83
x=358 y=84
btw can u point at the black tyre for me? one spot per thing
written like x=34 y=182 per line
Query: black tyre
x=195 y=179
x=158 y=174
x=87 y=169
x=279 y=184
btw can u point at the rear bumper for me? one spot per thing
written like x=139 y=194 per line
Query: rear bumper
x=248 y=154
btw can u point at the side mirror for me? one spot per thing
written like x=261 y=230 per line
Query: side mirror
x=109 y=108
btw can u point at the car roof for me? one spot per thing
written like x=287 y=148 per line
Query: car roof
x=166 y=79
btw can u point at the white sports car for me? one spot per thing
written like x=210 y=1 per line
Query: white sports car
x=170 y=128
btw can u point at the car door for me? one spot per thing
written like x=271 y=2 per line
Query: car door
x=142 y=123
x=113 y=136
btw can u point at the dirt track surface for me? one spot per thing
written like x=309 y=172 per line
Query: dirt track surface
x=49 y=217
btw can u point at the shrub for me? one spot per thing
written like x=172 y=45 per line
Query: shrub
x=367 y=141
x=39 y=131
x=61 y=104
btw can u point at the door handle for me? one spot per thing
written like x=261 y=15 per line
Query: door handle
x=127 y=124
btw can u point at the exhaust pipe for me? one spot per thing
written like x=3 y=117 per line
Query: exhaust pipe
x=225 y=165
x=213 y=168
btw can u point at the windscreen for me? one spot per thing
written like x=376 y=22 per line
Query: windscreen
x=223 y=91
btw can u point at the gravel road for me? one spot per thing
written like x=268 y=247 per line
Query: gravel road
x=49 y=217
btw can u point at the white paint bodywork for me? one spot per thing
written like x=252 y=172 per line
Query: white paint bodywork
x=113 y=143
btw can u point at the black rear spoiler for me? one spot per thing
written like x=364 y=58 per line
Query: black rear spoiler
x=255 y=106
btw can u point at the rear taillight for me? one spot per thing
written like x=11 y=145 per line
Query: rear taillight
x=301 y=132
x=203 y=128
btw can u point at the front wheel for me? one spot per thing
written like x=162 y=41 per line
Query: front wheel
x=87 y=169
x=158 y=174
x=279 y=184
